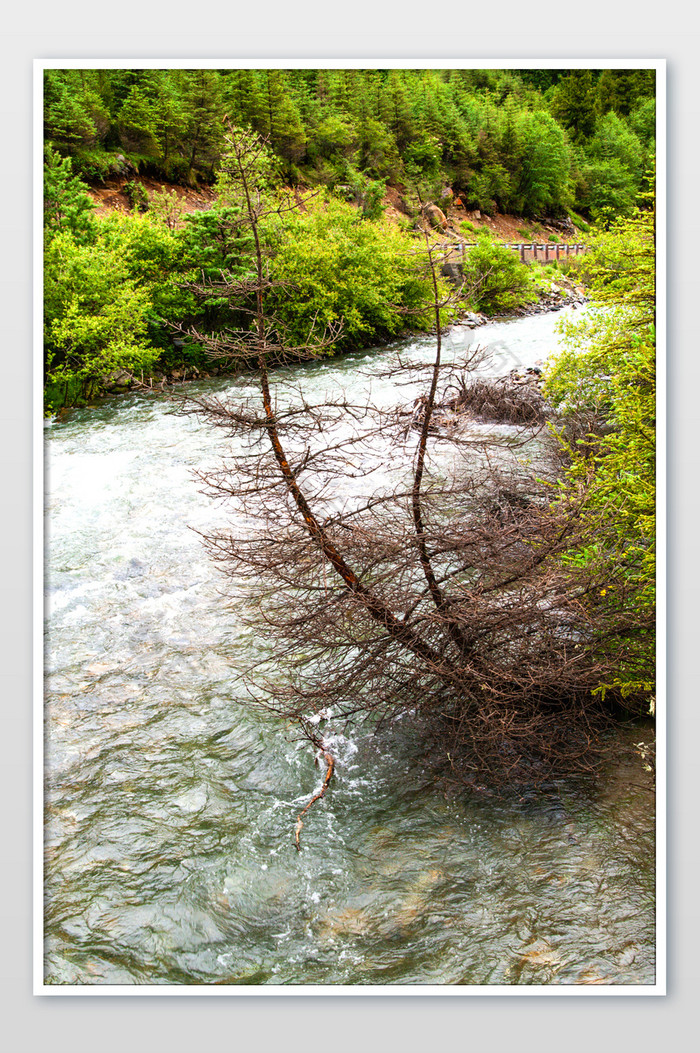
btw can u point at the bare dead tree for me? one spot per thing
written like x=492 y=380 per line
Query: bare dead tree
x=442 y=595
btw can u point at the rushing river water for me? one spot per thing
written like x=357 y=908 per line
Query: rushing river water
x=170 y=805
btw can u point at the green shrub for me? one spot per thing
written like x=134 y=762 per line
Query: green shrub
x=157 y=260
x=496 y=280
x=67 y=204
x=606 y=378
x=95 y=314
x=341 y=267
x=98 y=165
x=579 y=222
x=137 y=196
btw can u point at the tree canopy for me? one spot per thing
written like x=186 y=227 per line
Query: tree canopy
x=503 y=139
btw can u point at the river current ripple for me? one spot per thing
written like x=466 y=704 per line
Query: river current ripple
x=170 y=806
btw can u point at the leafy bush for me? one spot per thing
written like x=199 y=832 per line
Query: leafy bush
x=137 y=196
x=351 y=185
x=156 y=259
x=109 y=301
x=579 y=222
x=342 y=267
x=496 y=279
x=98 y=165
x=489 y=187
x=95 y=313
x=604 y=387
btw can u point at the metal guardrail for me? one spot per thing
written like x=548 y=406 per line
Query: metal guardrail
x=528 y=251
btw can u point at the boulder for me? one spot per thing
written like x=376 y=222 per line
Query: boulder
x=453 y=271
x=564 y=224
x=474 y=319
x=117 y=381
x=435 y=216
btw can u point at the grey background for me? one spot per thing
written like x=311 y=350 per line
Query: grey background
x=598 y=29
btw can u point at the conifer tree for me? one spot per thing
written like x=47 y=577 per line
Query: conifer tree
x=203 y=132
x=574 y=103
x=67 y=205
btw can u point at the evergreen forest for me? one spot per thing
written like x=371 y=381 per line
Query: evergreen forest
x=569 y=146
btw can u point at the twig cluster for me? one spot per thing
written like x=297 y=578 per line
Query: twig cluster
x=410 y=570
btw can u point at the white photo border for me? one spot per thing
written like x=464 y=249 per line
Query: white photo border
x=659 y=987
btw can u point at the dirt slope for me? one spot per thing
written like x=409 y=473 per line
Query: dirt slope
x=461 y=223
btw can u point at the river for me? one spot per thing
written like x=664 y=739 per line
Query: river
x=170 y=805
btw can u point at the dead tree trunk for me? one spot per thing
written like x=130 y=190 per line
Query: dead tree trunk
x=448 y=602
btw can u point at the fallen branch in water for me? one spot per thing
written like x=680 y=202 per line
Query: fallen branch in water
x=330 y=765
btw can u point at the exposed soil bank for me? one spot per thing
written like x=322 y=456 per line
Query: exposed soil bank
x=459 y=222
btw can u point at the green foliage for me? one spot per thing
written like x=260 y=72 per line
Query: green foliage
x=110 y=302
x=574 y=103
x=543 y=182
x=488 y=135
x=96 y=165
x=215 y=242
x=495 y=278
x=75 y=115
x=579 y=222
x=642 y=121
x=607 y=378
x=166 y=206
x=614 y=139
x=156 y=260
x=278 y=115
x=498 y=137
x=489 y=187
x=202 y=107
x=621 y=268
x=612 y=170
x=622 y=90
x=215 y=246
x=94 y=312
x=367 y=193
x=334 y=136
x=137 y=196
x=344 y=268
x=138 y=120
x=67 y=205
